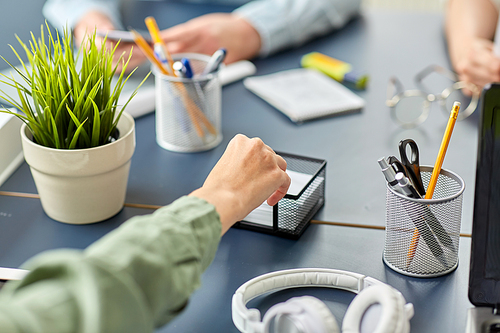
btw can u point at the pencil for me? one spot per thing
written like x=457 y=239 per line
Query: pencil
x=435 y=174
x=193 y=111
x=146 y=49
x=148 y=52
x=154 y=31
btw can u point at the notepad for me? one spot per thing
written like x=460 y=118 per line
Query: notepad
x=304 y=94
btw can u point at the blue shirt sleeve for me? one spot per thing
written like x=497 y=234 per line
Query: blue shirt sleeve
x=280 y=23
x=286 y=23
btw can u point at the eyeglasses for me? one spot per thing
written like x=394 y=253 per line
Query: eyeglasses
x=410 y=108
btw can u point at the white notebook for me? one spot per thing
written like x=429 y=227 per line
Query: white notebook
x=304 y=94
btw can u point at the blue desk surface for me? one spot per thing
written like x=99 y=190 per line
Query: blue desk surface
x=383 y=43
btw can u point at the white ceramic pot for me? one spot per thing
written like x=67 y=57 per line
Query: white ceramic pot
x=81 y=186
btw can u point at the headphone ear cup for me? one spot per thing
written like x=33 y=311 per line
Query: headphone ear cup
x=393 y=318
x=316 y=306
x=313 y=315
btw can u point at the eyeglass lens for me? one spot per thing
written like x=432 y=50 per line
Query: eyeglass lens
x=457 y=95
x=410 y=109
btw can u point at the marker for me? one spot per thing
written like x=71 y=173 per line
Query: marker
x=420 y=223
x=215 y=61
x=338 y=70
x=390 y=175
x=407 y=188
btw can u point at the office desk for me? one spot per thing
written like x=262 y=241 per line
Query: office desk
x=384 y=44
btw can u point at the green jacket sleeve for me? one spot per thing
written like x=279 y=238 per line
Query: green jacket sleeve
x=136 y=278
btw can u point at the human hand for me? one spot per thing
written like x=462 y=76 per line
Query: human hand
x=208 y=33
x=248 y=173
x=479 y=65
x=95 y=20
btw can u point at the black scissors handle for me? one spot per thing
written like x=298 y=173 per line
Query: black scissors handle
x=412 y=164
x=397 y=165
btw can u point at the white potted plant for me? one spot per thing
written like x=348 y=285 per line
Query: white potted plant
x=76 y=139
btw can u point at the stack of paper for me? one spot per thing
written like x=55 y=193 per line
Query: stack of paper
x=263 y=215
x=11 y=151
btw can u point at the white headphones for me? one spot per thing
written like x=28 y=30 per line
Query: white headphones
x=307 y=314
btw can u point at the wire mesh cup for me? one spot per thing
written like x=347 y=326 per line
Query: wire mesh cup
x=188 y=111
x=422 y=236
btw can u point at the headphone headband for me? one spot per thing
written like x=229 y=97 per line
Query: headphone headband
x=249 y=320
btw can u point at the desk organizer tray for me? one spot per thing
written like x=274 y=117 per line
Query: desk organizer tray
x=291 y=216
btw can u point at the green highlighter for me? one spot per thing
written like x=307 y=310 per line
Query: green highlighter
x=336 y=69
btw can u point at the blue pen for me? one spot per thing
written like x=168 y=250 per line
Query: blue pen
x=215 y=61
x=186 y=68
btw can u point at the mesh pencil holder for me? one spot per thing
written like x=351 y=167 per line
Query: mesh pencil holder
x=188 y=111
x=422 y=236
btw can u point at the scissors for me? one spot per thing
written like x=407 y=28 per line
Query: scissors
x=411 y=164
x=397 y=165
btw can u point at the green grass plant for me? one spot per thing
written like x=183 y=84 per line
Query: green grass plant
x=68 y=100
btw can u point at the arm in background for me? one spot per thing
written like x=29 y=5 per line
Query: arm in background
x=258 y=28
x=470 y=27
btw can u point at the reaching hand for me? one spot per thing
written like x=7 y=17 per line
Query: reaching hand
x=248 y=173
x=95 y=20
x=479 y=65
x=208 y=33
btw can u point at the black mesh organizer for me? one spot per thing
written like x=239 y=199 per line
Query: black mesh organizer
x=292 y=215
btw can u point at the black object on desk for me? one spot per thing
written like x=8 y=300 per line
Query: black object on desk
x=484 y=275
x=292 y=215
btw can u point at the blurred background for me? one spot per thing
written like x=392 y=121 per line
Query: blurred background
x=26 y=15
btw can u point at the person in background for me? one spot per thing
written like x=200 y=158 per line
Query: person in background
x=471 y=26
x=141 y=275
x=256 y=28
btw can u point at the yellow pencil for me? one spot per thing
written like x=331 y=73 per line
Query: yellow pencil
x=154 y=31
x=435 y=173
x=148 y=52
x=146 y=49
x=192 y=109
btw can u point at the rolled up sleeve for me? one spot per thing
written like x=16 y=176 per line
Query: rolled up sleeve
x=286 y=23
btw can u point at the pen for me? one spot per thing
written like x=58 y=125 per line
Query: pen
x=186 y=68
x=177 y=67
x=192 y=109
x=436 y=171
x=429 y=217
x=146 y=49
x=419 y=220
x=215 y=60
x=406 y=186
x=389 y=174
